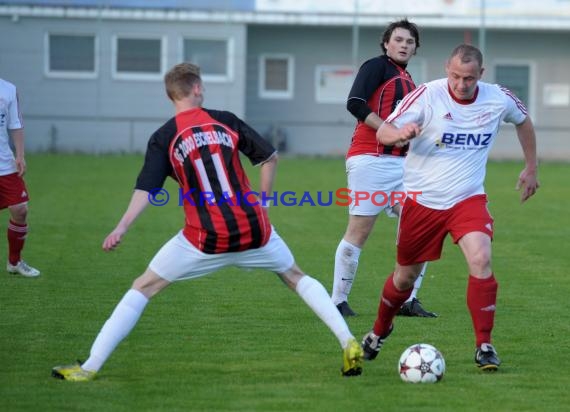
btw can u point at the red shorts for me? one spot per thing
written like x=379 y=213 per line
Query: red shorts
x=422 y=230
x=12 y=190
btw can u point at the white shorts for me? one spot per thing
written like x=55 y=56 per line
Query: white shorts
x=179 y=259
x=380 y=177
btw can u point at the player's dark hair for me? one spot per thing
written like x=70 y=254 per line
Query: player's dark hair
x=400 y=24
x=179 y=80
x=467 y=53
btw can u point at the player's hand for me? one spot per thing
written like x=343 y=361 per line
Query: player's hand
x=407 y=132
x=528 y=183
x=20 y=166
x=113 y=239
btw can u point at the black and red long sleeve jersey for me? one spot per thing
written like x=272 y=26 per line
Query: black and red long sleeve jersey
x=379 y=86
x=200 y=148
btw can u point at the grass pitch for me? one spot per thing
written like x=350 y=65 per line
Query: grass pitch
x=240 y=340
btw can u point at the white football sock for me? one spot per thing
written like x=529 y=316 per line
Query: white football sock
x=118 y=326
x=316 y=297
x=418 y=283
x=345 y=265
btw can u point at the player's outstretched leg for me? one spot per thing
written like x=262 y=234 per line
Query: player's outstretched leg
x=118 y=326
x=316 y=297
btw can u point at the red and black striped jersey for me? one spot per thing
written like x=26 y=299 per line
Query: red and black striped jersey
x=200 y=149
x=379 y=86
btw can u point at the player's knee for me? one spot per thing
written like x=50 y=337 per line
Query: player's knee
x=405 y=277
x=19 y=213
x=292 y=277
x=149 y=284
x=481 y=259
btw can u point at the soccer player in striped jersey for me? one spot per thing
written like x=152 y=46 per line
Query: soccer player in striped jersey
x=450 y=125
x=13 y=191
x=380 y=84
x=224 y=226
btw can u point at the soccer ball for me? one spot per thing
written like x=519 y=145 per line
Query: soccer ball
x=421 y=363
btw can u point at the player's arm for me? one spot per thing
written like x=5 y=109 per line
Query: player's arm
x=139 y=201
x=17 y=136
x=267 y=175
x=16 y=131
x=367 y=80
x=404 y=122
x=155 y=170
x=390 y=135
x=528 y=177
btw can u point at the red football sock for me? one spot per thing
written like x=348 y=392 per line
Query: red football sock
x=16 y=234
x=481 y=301
x=390 y=303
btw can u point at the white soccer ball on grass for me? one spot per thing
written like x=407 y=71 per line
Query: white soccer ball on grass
x=421 y=363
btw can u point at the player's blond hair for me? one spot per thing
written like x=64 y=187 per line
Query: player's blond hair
x=179 y=80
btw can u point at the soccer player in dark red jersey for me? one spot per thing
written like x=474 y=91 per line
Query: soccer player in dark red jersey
x=224 y=226
x=380 y=84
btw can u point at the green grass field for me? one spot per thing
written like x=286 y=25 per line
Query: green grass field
x=241 y=341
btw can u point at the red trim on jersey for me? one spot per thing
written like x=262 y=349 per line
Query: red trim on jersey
x=463 y=101
x=518 y=102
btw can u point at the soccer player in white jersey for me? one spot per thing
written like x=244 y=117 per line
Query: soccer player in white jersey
x=13 y=192
x=450 y=125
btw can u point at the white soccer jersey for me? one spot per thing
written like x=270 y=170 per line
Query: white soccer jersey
x=447 y=161
x=10 y=118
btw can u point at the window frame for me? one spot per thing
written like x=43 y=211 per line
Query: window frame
x=230 y=58
x=276 y=94
x=126 y=75
x=70 y=74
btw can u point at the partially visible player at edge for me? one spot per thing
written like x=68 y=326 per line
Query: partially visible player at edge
x=450 y=125
x=13 y=191
x=380 y=84
x=200 y=149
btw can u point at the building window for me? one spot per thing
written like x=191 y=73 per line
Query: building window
x=276 y=77
x=214 y=56
x=138 y=58
x=516 y=78
x=71 y=55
